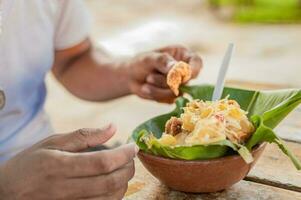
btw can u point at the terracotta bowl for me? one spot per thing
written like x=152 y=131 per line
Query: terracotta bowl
x=199 y=176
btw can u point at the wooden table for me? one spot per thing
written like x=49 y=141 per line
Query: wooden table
x=273 y=177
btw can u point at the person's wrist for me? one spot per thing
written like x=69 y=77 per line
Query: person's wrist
x=125 y=72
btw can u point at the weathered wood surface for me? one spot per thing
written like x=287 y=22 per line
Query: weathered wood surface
x=290 y=128
x=145 y=186
x=274 y=168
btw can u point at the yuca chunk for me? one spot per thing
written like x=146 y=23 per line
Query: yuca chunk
x=180 y=73
x=173 y=126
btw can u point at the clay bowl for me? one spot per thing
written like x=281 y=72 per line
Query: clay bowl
x=199 y=176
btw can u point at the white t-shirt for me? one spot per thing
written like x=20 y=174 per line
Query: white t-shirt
x=31 y=31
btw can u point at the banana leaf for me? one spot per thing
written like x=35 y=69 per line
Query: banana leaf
x=266 y=109
x=148 y=143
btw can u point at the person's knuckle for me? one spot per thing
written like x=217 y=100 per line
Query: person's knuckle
x=152 y=89
x=82 y=134
x=47 y=163
x=113 y=183
x=58 y=164
x=161 y=79
x=163 y=58
x=104 y=163
x=152 y=76
x=197 y=57
x=146 y=57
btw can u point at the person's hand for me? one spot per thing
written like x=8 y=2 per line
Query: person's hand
x=57 y=168
x=148 y=72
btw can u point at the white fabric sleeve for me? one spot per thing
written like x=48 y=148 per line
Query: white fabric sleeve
x=73 y=24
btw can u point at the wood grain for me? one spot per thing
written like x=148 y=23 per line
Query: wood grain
x=274 y=168
x=255 y=85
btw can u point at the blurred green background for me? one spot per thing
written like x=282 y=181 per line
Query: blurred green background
x=261 y=11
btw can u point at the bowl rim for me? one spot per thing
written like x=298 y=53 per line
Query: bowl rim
x=197 y=162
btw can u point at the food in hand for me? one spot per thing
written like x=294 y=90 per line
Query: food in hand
x=180 y=73
x=208 y=122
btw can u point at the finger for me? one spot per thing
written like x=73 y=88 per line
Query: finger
x=81 y=139
x=146 y=93
x=157 y=80
x=196 y=63
x=136 y=89
x=158 y=94
x=95 y=198
x=108 y=184
x=119 y=194
x=101 y=162
x=180 y=52
x=176 y=51
x=161 y=62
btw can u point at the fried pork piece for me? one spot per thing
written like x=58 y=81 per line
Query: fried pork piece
x=180 y=73
x=173 y=126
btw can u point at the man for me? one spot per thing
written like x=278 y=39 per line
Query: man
x=38 y=36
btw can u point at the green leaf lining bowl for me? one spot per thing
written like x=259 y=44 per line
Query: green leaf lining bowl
x=266 y=109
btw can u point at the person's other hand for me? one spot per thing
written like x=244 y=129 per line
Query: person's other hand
x=57 y=168
x=148 y=72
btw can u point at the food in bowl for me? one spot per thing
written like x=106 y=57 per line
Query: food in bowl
x=200 y=129
x=205 y=122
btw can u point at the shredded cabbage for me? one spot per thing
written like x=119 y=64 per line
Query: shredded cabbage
x=205 y=122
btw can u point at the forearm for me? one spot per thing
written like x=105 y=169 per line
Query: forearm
x=2 y=181
x=95 y=77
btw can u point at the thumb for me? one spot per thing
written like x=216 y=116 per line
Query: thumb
x=81 y=139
